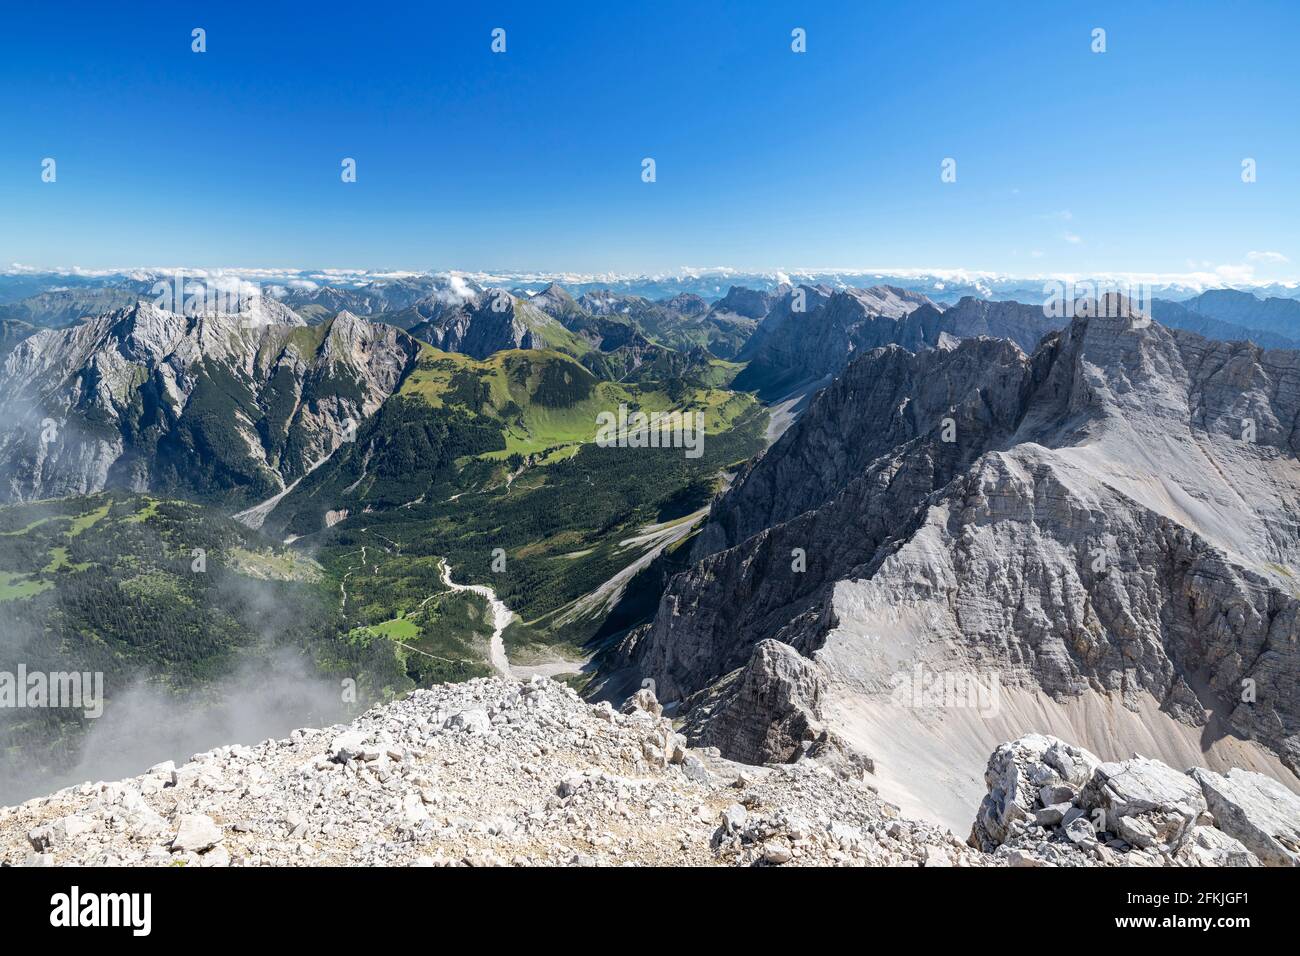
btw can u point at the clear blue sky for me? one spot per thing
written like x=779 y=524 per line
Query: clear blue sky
x=1067 y=160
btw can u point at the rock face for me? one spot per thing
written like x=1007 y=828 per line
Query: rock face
x=1049 y=804
x=1246 y=310
x=689 y=305
x=487 y=321
x=834 y=327
x=216 y=405
x=748 y=303
x=1112 y=516
x=769 y=711
x=13 y=331
x=1263 y=815
x=1183 y=315
x=60 y=307
x=481 y=773
x=971 y=318
x=814 y=331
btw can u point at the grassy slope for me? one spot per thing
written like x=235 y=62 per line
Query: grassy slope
x=546 y=496
x=561 y=526
x=517 y=382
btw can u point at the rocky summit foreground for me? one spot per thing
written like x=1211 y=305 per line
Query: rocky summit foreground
x=496 y=771
x=488 y=772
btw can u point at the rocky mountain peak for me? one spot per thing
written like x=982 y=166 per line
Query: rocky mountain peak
x=1105 y=523
x=688 y=304
x=750 y=303
x=138 y=392
x=557 y=292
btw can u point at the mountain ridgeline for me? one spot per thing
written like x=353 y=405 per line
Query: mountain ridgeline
x=1078 y=526
x=217 y=406
x=1107 y=527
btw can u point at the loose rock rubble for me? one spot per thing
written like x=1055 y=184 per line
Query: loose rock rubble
x=488 y=772
x=1052 y=804
x=501 y=772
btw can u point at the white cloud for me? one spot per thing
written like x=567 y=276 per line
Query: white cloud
x=1236 y=274
x=1266 y=257
x=1071 y=238
x=457 y=291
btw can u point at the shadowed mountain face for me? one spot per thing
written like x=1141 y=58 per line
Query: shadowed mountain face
x=13 y=331
x=226 y=406
x=1232 y=315
x=317 y=302
x=1108 y=523
x=812 y=332
x=1247 y=310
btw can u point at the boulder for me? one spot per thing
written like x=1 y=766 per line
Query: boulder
x=1206 y=846
x=1257 y=810
x=734 y=817
x=643 y=700
x=1146 y=802
x=60 y=832
x=195 y=833
x=1018 y=775
x=472 y=721
x=349 y=745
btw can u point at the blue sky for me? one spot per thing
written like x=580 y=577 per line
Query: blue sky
x=531 y=160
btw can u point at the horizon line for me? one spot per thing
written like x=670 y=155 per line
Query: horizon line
x=1231 y=278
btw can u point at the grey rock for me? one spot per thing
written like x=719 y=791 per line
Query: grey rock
x=1079 y=829
x=734 y=817
x=992 y=538
x=474 y=721
x=1053 y=793
x=1257 y=810
x=1146 y=802
x=643 y=700
x=1207 y=846
x=770 y=711
x=195 y=832
x=1017 y=775
x=695 y=769
x=350 y=745
x=1051 y=816
x=61 y=832
x=776 y=853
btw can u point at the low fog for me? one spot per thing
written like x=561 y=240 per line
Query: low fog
x=267 y=696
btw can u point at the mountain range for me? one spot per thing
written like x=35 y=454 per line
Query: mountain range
x=221 y=406
x=919 y=527
x=1106 y=528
